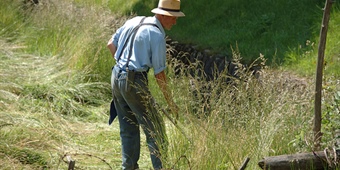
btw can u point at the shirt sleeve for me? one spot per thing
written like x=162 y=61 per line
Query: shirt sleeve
x=158 y=51
x=116 y=35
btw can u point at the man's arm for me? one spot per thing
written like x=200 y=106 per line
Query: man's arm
x=111 y=47
x=162 y=83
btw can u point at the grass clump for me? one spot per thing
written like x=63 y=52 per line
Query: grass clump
x=251 y=118
x=25 y=156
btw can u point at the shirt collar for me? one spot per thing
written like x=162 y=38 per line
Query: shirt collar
x=158 y=23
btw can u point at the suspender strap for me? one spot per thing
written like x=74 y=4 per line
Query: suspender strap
x=125 y=43
x=131 y=43
x=133 y=34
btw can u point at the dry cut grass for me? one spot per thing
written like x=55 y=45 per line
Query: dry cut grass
x=48 y=113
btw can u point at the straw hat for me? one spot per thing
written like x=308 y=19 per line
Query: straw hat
x=169 y=8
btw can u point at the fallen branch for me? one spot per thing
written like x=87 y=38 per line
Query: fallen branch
x=314 y=160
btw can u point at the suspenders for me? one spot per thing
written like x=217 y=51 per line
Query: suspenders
x=133 y=34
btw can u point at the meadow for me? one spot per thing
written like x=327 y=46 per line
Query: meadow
x=55 y=85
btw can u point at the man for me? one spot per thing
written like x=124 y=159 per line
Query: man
x=138 y=46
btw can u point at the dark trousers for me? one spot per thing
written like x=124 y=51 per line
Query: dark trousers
x=135 y=109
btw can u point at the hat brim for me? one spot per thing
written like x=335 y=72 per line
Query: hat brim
x=168 y=13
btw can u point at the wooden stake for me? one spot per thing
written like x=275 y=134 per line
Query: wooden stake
x=319 y=73
x=244 y=164
x=71 y=163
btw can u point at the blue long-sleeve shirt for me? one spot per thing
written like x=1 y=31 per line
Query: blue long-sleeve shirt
x=149 y=46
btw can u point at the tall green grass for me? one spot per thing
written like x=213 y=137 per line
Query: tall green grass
x=55 y=94
x=252 y=118
x=76 y=32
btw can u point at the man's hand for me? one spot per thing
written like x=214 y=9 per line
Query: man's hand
x=162 y=83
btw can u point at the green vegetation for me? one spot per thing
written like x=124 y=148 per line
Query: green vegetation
x=266 y=27
x=55 y=91
x=279 y=30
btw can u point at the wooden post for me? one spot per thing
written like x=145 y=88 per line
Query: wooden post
x=71 y=163
x=244 y=164
x=319 y=73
